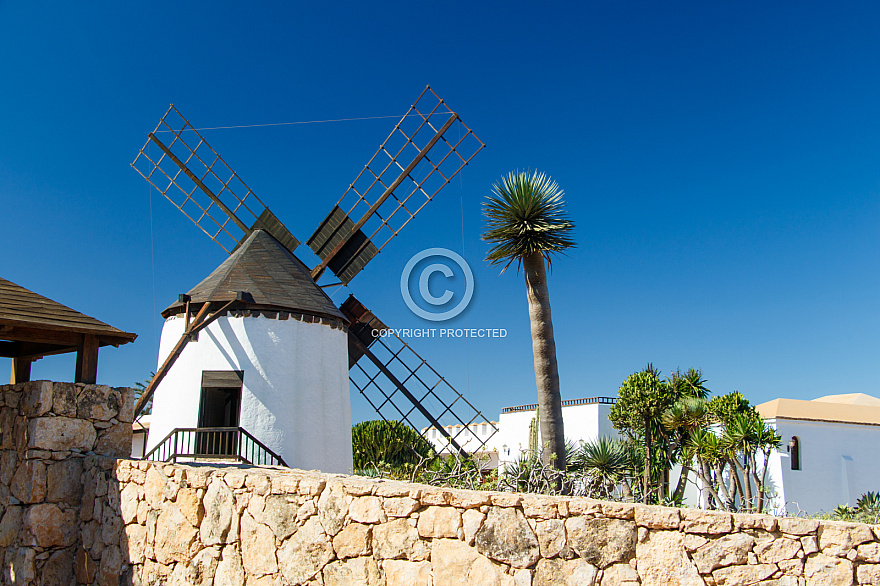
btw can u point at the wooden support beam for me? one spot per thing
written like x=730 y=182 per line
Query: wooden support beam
x=87 y=360
x=21 y=371
x=32 y=351
x=200 y=322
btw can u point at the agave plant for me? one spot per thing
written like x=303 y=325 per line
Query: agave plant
x=606 y=462
x=869 y=503
x=844 y=513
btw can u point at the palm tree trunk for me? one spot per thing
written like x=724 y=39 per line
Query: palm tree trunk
x=678 y=495
x=546 y=371
x=626 y=491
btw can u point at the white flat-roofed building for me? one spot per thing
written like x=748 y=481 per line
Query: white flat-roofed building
x=583 y=420
x=477 y=438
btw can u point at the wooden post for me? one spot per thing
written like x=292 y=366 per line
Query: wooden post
x=87 y=360
x=21 y=370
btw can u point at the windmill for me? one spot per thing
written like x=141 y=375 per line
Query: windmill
x=263 y=278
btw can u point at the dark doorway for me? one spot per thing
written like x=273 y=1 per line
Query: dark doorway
x=219 y=413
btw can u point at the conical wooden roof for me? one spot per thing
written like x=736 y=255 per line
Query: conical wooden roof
x=274 y=278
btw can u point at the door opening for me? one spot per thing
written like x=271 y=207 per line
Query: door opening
x=219 y=413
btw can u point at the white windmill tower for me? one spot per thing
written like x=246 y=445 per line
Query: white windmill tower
x=256 y=361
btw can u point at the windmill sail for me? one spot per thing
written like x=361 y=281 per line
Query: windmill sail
x=180 y=163
x=400 y=384
x=427 y=148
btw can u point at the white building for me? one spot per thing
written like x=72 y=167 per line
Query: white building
x=139 y=431
x=583 y=420
x=829 y=451
x=275 y=367
x=479 y=439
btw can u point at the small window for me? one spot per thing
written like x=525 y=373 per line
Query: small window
x=794 y=450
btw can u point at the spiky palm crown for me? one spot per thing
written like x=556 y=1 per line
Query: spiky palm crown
x=526 y=214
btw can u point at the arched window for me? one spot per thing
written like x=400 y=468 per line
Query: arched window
x=794 y=450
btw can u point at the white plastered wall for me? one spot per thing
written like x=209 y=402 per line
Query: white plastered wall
x=581 y=423
x=838 y=464
x=295 y=396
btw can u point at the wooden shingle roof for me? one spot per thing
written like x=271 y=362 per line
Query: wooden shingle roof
x=22 y=308
x=272 y=276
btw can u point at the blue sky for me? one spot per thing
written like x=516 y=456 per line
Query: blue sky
x=721 y=161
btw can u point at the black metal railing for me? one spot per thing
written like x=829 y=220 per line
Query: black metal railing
x=214 y=443
x=568 y=403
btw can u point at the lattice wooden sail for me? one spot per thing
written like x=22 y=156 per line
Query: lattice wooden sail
x=400 y=384
x=180 y=163
x=425 y=150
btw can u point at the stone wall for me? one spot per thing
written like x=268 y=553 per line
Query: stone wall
x=260 y=526
x=75 y=514
x=51 y=435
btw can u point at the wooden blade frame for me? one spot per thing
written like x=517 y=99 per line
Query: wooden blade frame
x=180 y=163
x=400 y=384
x=424 y=152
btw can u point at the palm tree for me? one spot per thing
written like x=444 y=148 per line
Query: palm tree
x=526 y=222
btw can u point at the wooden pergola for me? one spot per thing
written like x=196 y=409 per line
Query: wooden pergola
x=33 y=326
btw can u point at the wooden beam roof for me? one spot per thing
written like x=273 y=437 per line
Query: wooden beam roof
x=26 y=316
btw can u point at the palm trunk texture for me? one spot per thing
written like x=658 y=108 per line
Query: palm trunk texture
x=546 y=371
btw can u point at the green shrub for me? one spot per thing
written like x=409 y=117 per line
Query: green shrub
x=390 y=446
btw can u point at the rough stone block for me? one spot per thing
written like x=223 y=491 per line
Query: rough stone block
x=657 y=517
x=737 y=575
x=60 y=434
x=663 y=561
x=455 y=563
x=97 y=402
x=64 y=483
x=823 y=570
x=50 y=526
x=724 y=551
x=439 y=522
x=115 y=441
x=399 y=506
x=600 y=541
x=37 y=398
x=798 y=526
x=29 y=482
x=557 y=572
x=397 y=539
x=366 y=509
x=837 y=538
x=403 y=573
x=352 y=541
x=257 y=547
x=64 y=399
x=305 y=554
x=706 y=522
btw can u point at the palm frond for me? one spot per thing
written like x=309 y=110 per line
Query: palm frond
x=525 y=215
